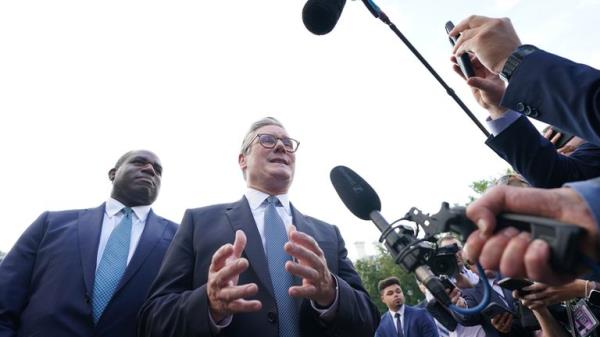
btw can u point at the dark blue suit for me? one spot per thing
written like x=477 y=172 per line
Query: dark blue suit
x=47 y=277
x=557 y=91
x=564 y=94
x=534 y=157
x=417 y=323
x=178 y=302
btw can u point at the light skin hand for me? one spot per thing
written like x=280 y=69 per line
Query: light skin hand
x=492 y=40
x=318 y=284
x=571 y=146
x=541 y=295
x=487 y=87
x=512 y=252
x=456 y=299
x=502 y=322
x=225 y=296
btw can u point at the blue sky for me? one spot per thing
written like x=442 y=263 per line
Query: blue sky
x=83 y=82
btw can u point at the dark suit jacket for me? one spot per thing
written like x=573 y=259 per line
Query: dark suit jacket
x=559 y=92
x=417 y=323
x=178 y=302
x=473 y=297
x=46 y=279
x=534 y=157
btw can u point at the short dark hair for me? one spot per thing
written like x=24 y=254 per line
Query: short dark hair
x=386 y=282
x=123 y=158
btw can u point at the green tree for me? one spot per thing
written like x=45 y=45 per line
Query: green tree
x=375 y=268
x=480 y=186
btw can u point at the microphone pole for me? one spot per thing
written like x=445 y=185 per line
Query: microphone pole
x=376 y=11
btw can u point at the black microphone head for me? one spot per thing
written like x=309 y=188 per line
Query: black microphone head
x=360 y=198
x=320 y=16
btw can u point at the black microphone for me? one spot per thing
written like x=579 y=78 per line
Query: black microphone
x=362 y=200
x=320 y=16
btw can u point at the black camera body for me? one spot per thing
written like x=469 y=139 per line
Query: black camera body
x=444 y=261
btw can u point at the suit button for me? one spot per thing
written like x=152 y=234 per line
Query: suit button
x=272 y=317
x=520 y=107
x=534 y=112
x=527 y=111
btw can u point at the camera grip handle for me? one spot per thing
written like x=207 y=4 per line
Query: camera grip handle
x=562 y=238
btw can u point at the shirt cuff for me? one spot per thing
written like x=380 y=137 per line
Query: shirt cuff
x=328 y=314
x=500 y=124
x=589 y=190
x=215 y=327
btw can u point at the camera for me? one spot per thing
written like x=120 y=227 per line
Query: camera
x=444 y=261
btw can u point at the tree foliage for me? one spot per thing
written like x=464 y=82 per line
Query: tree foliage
x=375 y=268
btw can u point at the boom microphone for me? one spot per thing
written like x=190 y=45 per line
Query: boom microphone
x=362 y=200
x=320 y=16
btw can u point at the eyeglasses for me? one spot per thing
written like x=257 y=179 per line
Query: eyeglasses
x=269 y=141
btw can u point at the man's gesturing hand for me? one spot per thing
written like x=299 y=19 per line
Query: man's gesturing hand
x=225 y=296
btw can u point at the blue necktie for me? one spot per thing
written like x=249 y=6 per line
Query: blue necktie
x=399 y=325
x=276 y=237
x=112 y=265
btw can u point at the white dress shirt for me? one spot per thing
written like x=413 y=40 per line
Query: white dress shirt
x=112 y=217
x=256 y=200
x=401 y=312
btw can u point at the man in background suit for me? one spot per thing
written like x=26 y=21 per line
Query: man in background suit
x=87 y=272
x=402 y=320
x=267 y=283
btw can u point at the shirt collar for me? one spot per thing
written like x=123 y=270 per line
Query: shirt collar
x=401 y=311
x=256 y=199
x=113 y=207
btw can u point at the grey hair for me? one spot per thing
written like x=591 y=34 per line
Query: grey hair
x=251 y=134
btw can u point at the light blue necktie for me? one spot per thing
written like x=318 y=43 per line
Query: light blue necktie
x=112 y=265
x=276 y=237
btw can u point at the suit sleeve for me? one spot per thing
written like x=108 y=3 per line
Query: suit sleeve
x=589 y=190
x=559 y=92
x=173 y=307
x=533 y=156
x=15 y=276
x=356 y=315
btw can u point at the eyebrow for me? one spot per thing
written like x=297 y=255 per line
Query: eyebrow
x=156 y=165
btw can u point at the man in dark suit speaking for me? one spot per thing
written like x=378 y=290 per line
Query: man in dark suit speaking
x=87 y=272
x=402 y=320
x=276 y=279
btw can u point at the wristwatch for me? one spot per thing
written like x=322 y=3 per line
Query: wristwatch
x=515 y=59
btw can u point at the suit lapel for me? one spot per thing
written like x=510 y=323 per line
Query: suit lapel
x=408 y=316
x=151 y=235
x=88 y=227
x=390 y=325
x=240 y=217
